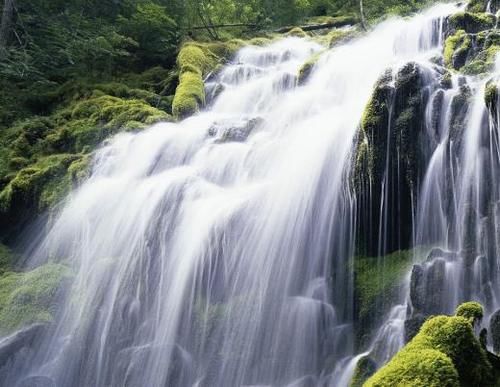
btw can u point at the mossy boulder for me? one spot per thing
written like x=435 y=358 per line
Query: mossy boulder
x=471 y=22
x=30 y=297
x=444 y=353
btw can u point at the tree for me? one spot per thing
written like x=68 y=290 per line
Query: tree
x=6 y=24
x=362 y=14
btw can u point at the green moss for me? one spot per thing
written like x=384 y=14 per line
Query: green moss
x=472 y=22
x=444 y=353
x=377 y=280
x=472 y=311
x=29 y=297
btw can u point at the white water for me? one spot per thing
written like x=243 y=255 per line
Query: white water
x=218 y=251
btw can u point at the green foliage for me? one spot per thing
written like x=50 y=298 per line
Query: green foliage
x=444 y=353
x=29 y=297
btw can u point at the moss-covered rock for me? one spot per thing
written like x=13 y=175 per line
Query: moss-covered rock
x=30 y=297
x=482 y=5
x=444 y=353
x=471 y=22
x=307 y=68
x=456 y=49
x=387 y=159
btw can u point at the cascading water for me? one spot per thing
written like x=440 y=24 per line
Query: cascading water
x=218 y=251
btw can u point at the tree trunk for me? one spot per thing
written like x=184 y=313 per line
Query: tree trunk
x=362 y=15
x=6 y=23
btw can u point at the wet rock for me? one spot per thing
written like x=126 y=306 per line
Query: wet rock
x=440 y=253
x=213 y=91
x=412 y=326
x=495 y=331
x=388 y=157
x=37 y=381
x=417 y=287
x=427 y=287
x=234 y=132
x=131 y=362
x=23 y=339
x=365 y=367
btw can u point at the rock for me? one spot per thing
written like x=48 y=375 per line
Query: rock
x=11 y=345
x=495 y=330
x=387 y=161
x=37 y=381
x=130 y=363
x=417 y=288
x=365 y=367
x=233 y=132
x=413 y=325
x=440 y=253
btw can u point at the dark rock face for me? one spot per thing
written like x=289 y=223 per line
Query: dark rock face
x=412 y=326
x=495 y=330
x=388 y=159
x=426 y=287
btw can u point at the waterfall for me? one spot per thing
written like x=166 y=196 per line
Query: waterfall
x=218 y=251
